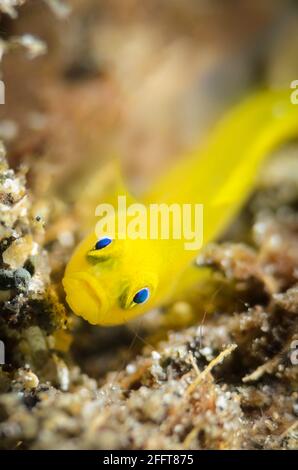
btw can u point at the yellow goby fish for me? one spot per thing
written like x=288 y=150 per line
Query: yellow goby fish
x=109 y=281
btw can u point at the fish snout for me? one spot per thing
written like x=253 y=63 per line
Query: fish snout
x=86 y=297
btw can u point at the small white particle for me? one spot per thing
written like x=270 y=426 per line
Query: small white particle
x=131 y=368
x=11 y=185
x=155 y=355
x=221 y=402
x=66 y=239
x=34 y=250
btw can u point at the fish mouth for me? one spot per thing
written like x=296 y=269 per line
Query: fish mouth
x=86 y=297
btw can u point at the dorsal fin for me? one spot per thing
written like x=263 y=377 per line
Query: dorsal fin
x=103 y=187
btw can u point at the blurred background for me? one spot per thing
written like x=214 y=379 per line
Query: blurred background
x=142 y=81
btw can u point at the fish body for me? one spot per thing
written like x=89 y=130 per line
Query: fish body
x=126 y=277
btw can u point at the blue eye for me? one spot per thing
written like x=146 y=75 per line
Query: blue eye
x=141 y=296
x=102 y=243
